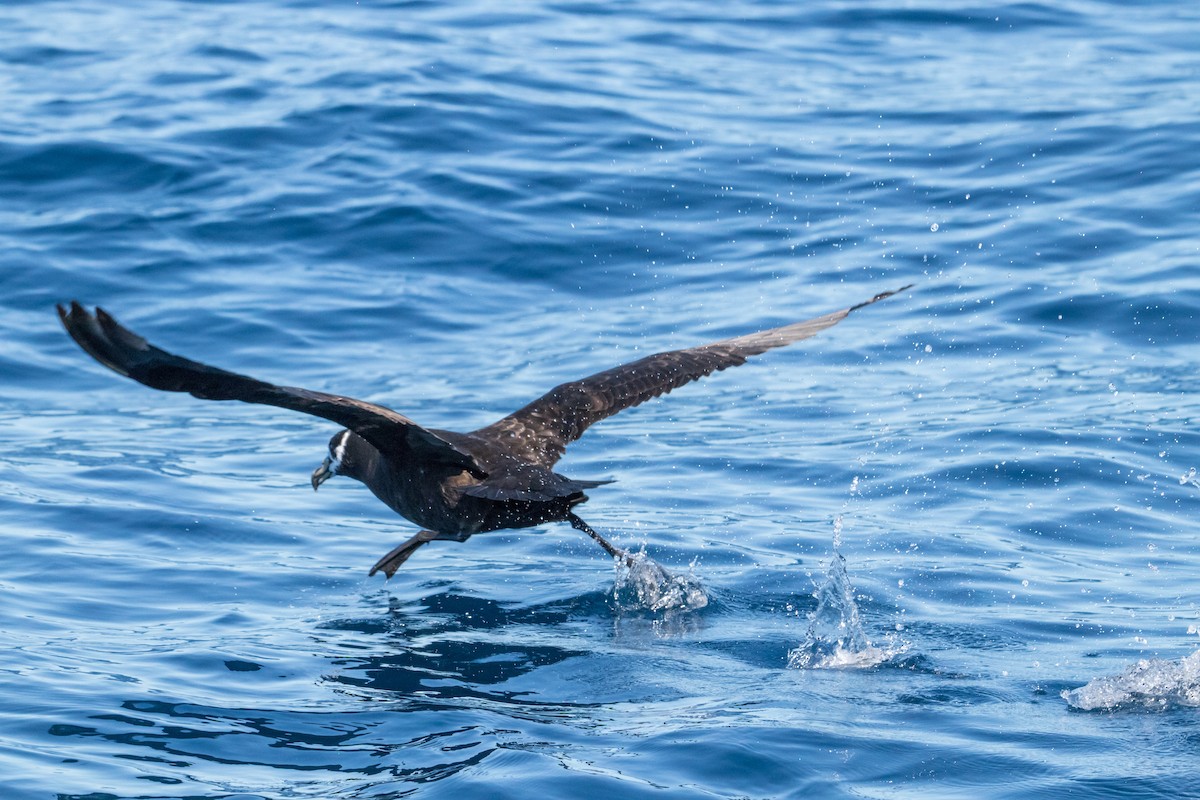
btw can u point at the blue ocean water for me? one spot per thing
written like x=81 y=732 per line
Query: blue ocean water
x=449 y=208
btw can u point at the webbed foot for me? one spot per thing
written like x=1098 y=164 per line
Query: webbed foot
x=400 y=553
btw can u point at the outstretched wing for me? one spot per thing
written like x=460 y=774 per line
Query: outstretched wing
x=541 y=431
x=123 y=351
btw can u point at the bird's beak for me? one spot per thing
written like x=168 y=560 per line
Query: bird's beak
x=322 y=473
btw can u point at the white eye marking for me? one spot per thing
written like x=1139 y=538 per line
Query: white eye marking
x=339 y=451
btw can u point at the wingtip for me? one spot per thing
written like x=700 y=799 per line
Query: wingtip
x=93 y=333
x=882 y=296
x=117 y=332
x=72 y=315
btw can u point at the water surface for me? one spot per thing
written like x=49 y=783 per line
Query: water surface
x=449 y=208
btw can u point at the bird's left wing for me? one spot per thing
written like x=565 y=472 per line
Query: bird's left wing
x=541 y=431
x=123 y=351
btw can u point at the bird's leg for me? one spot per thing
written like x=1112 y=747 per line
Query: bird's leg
x=400 y=553
x=613 y=551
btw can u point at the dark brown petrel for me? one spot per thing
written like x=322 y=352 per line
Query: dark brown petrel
x=453 y=485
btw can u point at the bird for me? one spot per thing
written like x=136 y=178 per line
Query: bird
x=451 y=485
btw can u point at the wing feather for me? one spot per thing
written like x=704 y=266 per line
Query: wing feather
x=540 y=431
x=124 y=352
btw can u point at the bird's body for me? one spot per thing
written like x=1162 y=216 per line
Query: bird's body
x=453 y=485
x=514 y=494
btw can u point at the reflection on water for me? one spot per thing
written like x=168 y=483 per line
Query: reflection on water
x=433 y=688
x=450 y=646
x=236 y=750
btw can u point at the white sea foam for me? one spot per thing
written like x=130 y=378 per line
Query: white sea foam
x=644 y=584
x=1149 y=684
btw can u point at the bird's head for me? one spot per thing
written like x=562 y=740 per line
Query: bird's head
x=336 y=462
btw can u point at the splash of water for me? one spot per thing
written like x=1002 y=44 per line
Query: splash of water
x=1189 y=477
x=1152 y=683
x=642 y=584
x=835 y=637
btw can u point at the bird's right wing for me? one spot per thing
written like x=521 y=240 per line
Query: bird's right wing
x=123 y=351
x=541 y=431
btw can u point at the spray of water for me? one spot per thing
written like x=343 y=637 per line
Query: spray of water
x=835 y=637
x=1151 y=683
x=642 y=584
x=1189 y=478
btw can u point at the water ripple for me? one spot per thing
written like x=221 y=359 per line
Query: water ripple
x=451 y=208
